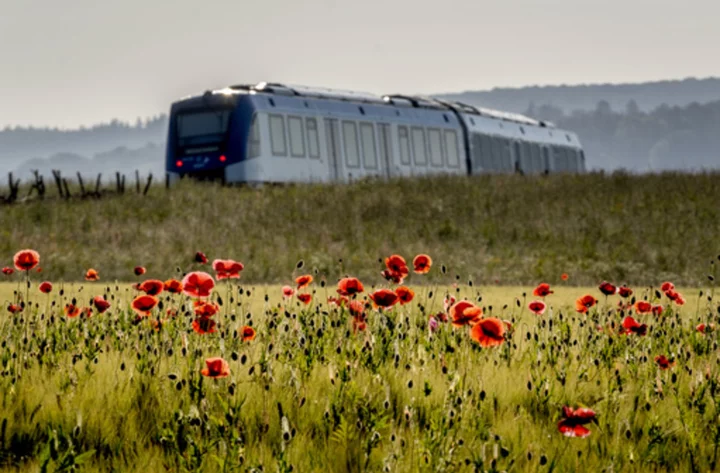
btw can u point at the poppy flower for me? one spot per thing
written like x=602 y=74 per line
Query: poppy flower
x=288 y=292
x=216 y=368
x=703 y=328
x=643 y=307
x=405 y=294
x=488 y=332
x=203 y=325
x=675 y=296
x=91 y=275
x=392 y=276
x=87 y=312
x=422 y=264
x=139 y=270
x=442 y=317
x=397 y=264
x=303 y=281
x=350 y=286
x=572 y=424
x=584 y=303
x=45 y=287
x=542 y=290
x=448 y=302
x=384 y=298
x=667 y=286
x=564 y=276
x=173 y=286
x=201 y=258
x=14 y=308
x=657 y=309
x=304 y=298
x=152 y=287
x=357 y=308
x=248 y=333
x=625 y=292
x=607 y=288
x=663 y=362
x=537 y=307
x=7 y=271
x=205 y=309
x=464 y=313
x=630 y=325
x=71 y=310
x=227 y=269
x=337 y=301
x=358 y=324
x=144 y=304
x=25 y=260
x=101 y=304
x=197 y=284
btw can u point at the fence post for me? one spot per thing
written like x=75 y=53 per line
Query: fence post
x=147 y=186
x=83 y=194
x=97 y=185
x=137 y=180
x=58 y=181
x=67 y=188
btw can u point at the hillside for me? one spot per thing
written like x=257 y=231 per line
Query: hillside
x=491 y=229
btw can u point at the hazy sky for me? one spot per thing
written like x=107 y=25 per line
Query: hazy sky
x=71 y=62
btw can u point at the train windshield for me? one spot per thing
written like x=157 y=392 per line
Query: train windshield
x=205 y=127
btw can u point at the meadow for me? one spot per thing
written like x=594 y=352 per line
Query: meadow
x=123 y=349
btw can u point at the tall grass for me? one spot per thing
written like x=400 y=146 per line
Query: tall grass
x=504 y=229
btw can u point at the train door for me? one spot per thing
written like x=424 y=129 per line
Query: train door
x=386 y=160
x=332 y=137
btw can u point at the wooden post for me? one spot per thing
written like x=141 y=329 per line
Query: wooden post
x=147 y=186
x=14 y=188
x=67 y=188
x=137 y=180
x=97 y=185
x=58 y=181
x=83 y=194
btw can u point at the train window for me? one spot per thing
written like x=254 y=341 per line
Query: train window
x=404 y=144
x=486 y=158
x=526 y=163
x=498 y=154
x=546 y=159
x=418 y=142
x=367 y=135
x=572 y=159
x=350 y=138
x=435 y=148
x=297 y=140
x=559 y=156
x=277 y=135
x=518 y=161
x=312 y=138
x=254 y=140
x=536 y=158
x=452 y=148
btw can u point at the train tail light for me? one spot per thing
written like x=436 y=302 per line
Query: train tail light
x=223 y=158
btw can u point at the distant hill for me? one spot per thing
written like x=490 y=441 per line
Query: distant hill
x=648 y=95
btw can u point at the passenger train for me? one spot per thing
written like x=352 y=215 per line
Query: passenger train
x=275 y=133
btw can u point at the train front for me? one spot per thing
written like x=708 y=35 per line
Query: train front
x=206 y=134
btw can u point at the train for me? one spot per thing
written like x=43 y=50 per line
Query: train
x=272 y=133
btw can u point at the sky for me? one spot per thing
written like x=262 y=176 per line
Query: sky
x=80 y=62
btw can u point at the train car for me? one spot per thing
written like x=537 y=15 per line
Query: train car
x=275 y=133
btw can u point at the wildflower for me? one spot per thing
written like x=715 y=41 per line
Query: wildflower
x=227 y=269
x=349 y=287
x=405 y=294
x=625 y=292
x=448 y=302
x=288 y=292
x=663 y=362
x=201 y=258
x=151 y=287
x=303 y=281
x=564 y=276
x=422 y=264
x=205 y=309
x=392 y=276
x=14 y=308
x=91 y=275
x=25 y=260
x=45 y=287
x=384 y=298
x=630 y=325
x=101 y=304
x=173 y=286
x=304 y=298
x=432 y=324
x=248 y=334
x=396 y=264
x=216 y=368
x=667 y=286
x=643 y=307
x=537 y=307
x=7 y=271
x=203 y=325
x=337 y=301
x=542 y=290
x=607 y=288
x=144 y=304
x=139 y=270
x=657 y=309
x=488 y=332
x=584 y=303
x=704 y=328
x=71 y=310
x=572 y=424
x=198 y=284
x=464 y=313
x=357 y=308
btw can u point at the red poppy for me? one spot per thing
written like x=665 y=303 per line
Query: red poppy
x=248 y=333
x=45 y=287
x=227 y=269
x=201 y=258
x=288 y=292
x=448 y=302
x=663 y=362
x=392 y=276
x=203 y=325
x=349 y=287
x=542 y=290
x=337 y=301
x=676 y=297
x=91 y=275
x=87 y=312
x=139 y=270
x=197 y=284
x=630 y=325
x=101 y=304
x=14 y=308
x=643 y=307
x=422 y=264
x=144 y=304
x=488 y=332
x=358 y=324
x=607 y=288
x=625 y=292
x=667 y=286
x=584 y=303
x=357 y=308
x=564 y=276
x=7 y=271
x=405 y=294
x=303 y=281
x=572 y=424
x=71 y=310
x=464 y=313
x=537 y=307
x=384 y=298
x=304 y=298
x=657 y=309
x=216 y=368
x=173 y=286
x=205 y=309
x=152 y=287
x=703 y=328
x=25 y=260
x=397 y=264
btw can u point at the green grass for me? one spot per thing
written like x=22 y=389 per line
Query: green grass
x=508 y=230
